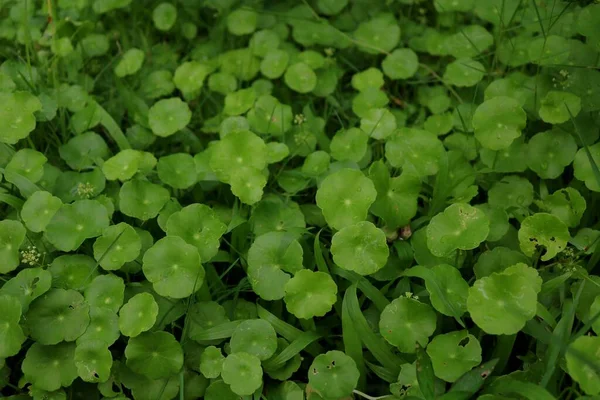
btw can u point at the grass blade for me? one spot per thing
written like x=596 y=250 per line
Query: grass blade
x=305 y=339
x=425 y=375
x=380 y=349
x=222 y=331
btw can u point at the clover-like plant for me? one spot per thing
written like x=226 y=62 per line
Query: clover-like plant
x=154 y=354
x=138 y=315
x=503 y=302
x=256 y=337
x=243 y=373
x=310 y=294
x=453 y=354
x=173 y=267
x=405 y=322
x=271 y=258
x=361 y=248
x=168 y=116
x=333 y=374
x=415 y=151
x=460 y=226
x=118 y=245
x=12 y=236
x=345 y=197
x=498 y=121
x=11 y=334
x=58 y=315
x=76 y=222
x=199 y=226
x=542 y=229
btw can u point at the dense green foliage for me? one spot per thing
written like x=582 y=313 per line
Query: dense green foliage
x=303 y=199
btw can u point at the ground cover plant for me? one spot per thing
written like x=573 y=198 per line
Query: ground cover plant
x=304 y=199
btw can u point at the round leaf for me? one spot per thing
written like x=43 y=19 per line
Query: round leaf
x=59 y=315
x=154 y=354
x=256 y=337
x=460 y=226
x=405 y=322
x=118 y=245
x=173 y=267
x=168 y=116
x=454 y=354
x=345 y=197
x=498 y=121
x=361 y=248
x=310 y=294
x=333 y=375
x=243 y=373
x=138 y=315
x=50 y=367
x=76 y=222
x=545 y=230
x=142 y=199
x=93 y=361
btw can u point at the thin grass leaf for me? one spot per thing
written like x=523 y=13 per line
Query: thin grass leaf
x=365 y=286
x=530 y=391
x=222 y=331
x=352 y=343
x=112 y=127
x=380 y=349
x=12 y=201
x=428 y=276
x=425 y=375
x=305 y=339
x=473 y=381
x=382 y=372
x=560 y=336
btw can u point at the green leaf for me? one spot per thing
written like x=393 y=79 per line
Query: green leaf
x=502 y=303
x=93 y=361
x=310 y=294
x=498 y=121
x=12 y=236
x=550 y=152
x=154 y=354
x=130 y=63
x=173 y=267
x=269 y=258
x=400 y=64
x=414 y=150
x=300 y=78
x=168 y=116
x=243 y=373
x=558 y=107
x=464 y=73
x=545 y=230
x=39 y=209
x=454 y=354
x=76 y=222
x=119 y=244
x=50 y=367
x=164 y=16
x=138 y=315
x=345 y=197
x=211 y=362
x=256 y=337
x=11 y=334
x=361 y=248
x=59 y=315
x=406 y=322
x=459 y=226
x=17 y=114
x=333 y=374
